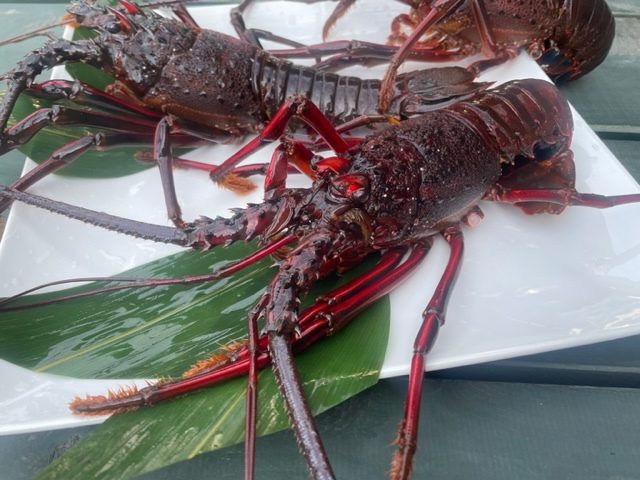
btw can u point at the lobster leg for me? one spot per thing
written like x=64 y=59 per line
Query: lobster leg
x=440 y=9
x=433 y=319
x=332 y=312
x=563 y=197
x=133 y=126
x=252 y=35
x=547 y=186
x=296 y=105
x=251 y=403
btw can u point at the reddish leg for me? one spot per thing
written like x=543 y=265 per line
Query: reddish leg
x=330 y=313
x=298 y=106
x=123 y=124
x=561 y=197
x=251 y=404
x=547 y=186
x=252 y=35
x=440 y=9
x=433 y=319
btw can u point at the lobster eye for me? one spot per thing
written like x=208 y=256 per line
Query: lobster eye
x=113 y=27
x=353 y=187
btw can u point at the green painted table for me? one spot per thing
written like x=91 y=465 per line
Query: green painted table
x=566 y=414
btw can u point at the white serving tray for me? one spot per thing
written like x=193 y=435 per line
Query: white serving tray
x=528 y=284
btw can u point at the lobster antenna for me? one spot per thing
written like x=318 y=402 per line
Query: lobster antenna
x=123 y=283
x=43 y=30
x=143 y=230
x=66 y=19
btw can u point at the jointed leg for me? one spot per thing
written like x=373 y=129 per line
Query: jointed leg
x=433 y=319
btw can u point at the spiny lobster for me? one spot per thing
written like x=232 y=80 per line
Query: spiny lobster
x=568 y=38
x=179 y=85
x=391 y=193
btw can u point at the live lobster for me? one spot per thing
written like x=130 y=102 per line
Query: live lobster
x=165 y=95
x=568 y=38
x=391 y=193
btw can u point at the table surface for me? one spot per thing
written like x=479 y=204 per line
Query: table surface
x=566 y=414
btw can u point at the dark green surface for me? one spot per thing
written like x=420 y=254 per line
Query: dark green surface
x=471 y=431
x=485 y=424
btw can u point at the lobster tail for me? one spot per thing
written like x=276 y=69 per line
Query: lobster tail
x=524 y=118
x=344 y=98
x=583 y=37
x=341 y=98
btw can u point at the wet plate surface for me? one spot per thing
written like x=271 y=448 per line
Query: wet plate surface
x=528 y=284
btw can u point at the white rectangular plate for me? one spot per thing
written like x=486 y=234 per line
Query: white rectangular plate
x=528 y=284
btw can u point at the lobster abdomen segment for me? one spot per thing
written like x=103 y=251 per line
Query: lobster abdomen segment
x=524 y=118
x=343 y=98
x=584 y=37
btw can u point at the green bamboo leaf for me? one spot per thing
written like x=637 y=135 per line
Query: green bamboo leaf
x=162 y=331
x=112 y=163
x=151 y=438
